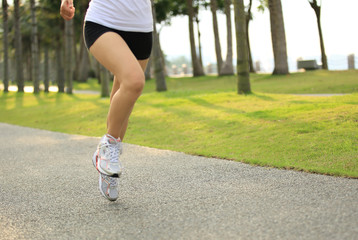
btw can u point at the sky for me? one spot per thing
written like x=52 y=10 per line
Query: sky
x=339 y=23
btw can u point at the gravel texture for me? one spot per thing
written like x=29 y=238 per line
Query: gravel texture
x=49 y=190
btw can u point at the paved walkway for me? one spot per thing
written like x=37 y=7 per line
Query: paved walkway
x=49 y=191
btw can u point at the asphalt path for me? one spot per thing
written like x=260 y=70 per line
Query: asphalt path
x=48 y=190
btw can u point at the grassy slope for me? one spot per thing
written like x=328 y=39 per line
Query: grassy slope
x=304 y=133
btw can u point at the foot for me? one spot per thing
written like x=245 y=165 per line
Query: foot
x=106 y=157
x=108 y=187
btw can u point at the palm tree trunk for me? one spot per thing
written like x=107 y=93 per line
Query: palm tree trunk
x=34 y=49
x=75 y=54
x=6 y=45
x=199 y=41
x=46 y=69
x=278 y=37
x=242 y=53
x=248 y=19
x=323 y=50
x=197 y=68
x=148 y=74
x=228 y=68
x=158 y=64
x=68 y=55
x=19 y=75
x=159 y=72
x=219 y=60
x=98 y=71
x=83 y=65
x=162 y=57
x=104 y=81
x=82 y=61
x=27 y=66
x=60 y=69
x=317 y=10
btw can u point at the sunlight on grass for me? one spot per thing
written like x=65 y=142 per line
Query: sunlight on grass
x=308 y=82
x=316 y=134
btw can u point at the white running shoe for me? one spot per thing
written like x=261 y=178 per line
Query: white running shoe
x=106 y=157
x=108 y=187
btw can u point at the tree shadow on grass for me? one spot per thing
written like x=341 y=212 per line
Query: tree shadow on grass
x=199 y=101
x=19 y=99
x=3 y=99
x=264 y=97
x=182 y=93
x=40 y=98
x=264 y=115
x=205 y=103
x=59 y=98
x=185 y=114
x=300 y=102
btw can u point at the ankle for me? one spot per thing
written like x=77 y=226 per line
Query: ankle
x=114 y=137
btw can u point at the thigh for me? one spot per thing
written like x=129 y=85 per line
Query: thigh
x=143 y=64
x=114 y=54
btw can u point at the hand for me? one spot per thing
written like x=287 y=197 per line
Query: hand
x=67 y=9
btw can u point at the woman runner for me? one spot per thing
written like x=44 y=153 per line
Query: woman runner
x=118 y=33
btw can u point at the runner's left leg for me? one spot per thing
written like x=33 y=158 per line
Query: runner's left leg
x=116 y=87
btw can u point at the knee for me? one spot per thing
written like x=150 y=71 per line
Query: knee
x=134 y=82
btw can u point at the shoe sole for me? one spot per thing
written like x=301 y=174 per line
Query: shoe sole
x=101 y=170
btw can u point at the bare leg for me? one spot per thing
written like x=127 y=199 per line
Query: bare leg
x=116 y=87
x=113 y=53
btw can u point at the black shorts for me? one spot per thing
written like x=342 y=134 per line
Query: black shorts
x=140 y=43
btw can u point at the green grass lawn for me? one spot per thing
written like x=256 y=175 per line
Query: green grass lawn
x=91 y=84
x=308 y=82
x=315 y=134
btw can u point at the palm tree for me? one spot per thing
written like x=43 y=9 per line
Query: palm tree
x=60 y=69
x=83 y=62
x=219 y=60
x=317 y=10
x=104 y=77
x=6 y=45
x=46 y=69
x=242 y=53
x=278 y=37
x=18 y=48
x=34 y=49
x=248 y=19
x=51 y=23
x=157 y=58
x=68 y=55
x=227 y=67
x=199 y=37
x=148 y=70
x=82 y=55
x=197 y=68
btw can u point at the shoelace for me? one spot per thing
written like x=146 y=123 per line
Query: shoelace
x=114 y=152
x=112 y=181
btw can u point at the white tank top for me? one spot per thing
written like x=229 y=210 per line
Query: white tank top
x=125 y=15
